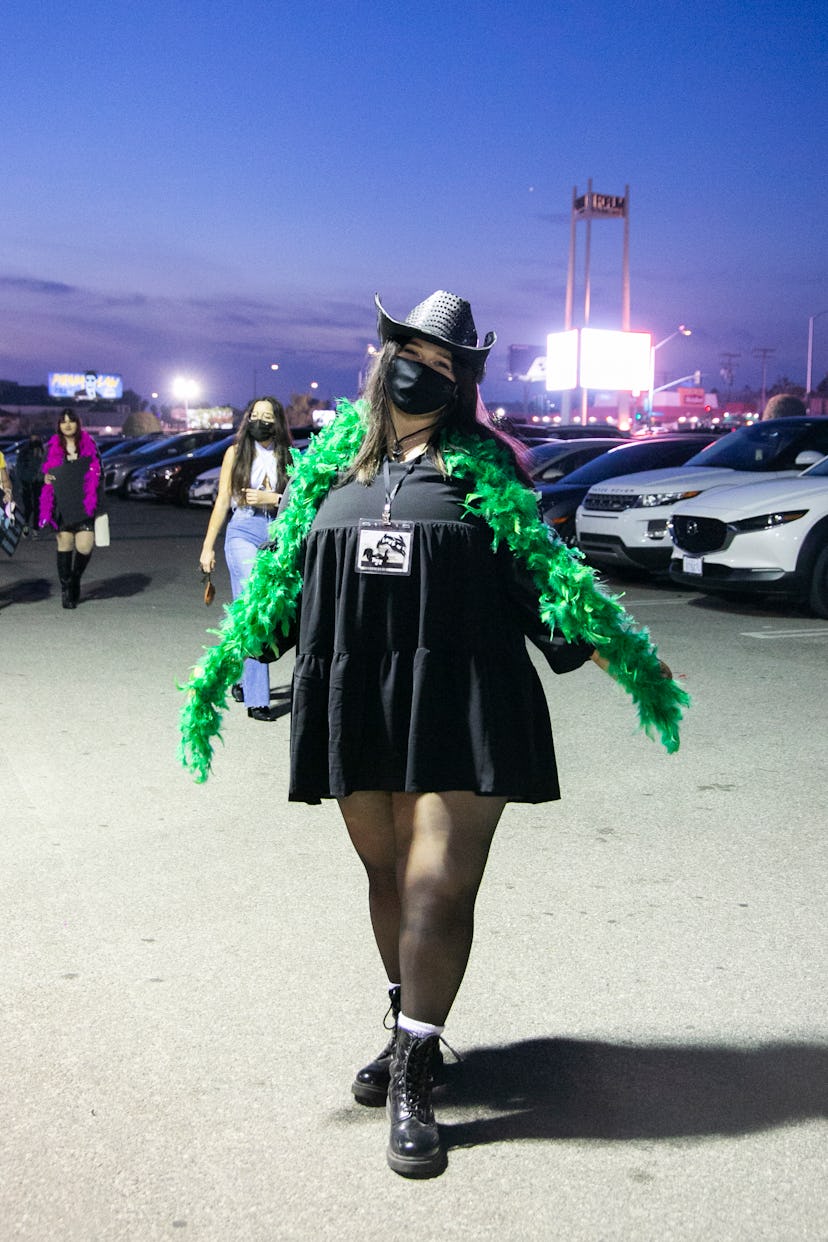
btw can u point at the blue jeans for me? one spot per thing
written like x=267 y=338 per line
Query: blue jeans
x=246 y=532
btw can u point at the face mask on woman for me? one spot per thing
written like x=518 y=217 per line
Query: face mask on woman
x=417 y=389
x=260 y=430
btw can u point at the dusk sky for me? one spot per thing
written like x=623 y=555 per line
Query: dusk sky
x=203 y=189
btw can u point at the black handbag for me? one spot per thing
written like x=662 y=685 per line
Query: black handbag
x=11 y=530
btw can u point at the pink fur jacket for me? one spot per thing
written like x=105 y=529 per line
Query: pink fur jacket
x=55 y=457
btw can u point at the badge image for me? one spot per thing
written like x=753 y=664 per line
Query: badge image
x=384 y=547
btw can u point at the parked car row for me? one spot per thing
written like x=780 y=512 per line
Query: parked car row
x=749 y=513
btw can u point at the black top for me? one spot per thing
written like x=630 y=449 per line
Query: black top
x=419 y=682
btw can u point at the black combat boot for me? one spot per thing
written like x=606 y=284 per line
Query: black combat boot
x=64 y=569
x=414 y=1147
x=371 y=1083
x=81 y=561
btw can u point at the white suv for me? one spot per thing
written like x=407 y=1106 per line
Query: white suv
x=769 y=537
x=623 y=521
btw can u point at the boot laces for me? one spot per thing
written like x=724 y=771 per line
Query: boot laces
x=417 y=1077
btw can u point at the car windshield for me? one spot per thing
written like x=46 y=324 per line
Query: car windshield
x=819 y=471
x=764 y=446
x=146 y=449
x=630 y=458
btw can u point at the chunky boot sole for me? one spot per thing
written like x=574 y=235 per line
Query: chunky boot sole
x=430 y=1164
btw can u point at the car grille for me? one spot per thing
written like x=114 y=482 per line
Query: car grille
x=609 y=503
x=698 y=534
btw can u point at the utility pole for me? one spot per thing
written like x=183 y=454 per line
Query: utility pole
x=764 y=353
x=726 y=368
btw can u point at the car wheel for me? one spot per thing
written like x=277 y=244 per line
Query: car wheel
x=819 y=585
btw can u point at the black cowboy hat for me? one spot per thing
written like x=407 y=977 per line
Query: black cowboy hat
x=443 y=318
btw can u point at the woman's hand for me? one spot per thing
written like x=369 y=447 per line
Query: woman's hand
x=49 y=478
x=207 y=560
x=603 y=663
x=258 y=498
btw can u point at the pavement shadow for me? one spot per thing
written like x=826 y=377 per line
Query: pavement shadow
x=579 y=1089
x=751 y=604
x=27 y=591
x=116 y=588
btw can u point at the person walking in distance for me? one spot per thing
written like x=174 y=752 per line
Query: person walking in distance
x=69 y=500
x=251 y=484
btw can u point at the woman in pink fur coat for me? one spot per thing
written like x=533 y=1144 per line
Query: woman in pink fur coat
x=75 y=535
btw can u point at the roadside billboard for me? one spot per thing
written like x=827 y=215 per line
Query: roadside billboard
x=85 y=386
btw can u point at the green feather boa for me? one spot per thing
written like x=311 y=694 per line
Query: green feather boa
x=570 y=599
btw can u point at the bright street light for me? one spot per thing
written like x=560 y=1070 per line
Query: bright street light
x=809 y=369
x=185 y=389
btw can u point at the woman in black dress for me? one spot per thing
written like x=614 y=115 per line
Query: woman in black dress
x=415 y=703
x=72 y=454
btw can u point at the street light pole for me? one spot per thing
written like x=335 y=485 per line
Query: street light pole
x=809 y=368
x=681 y=330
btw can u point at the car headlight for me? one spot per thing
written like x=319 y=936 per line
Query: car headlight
x=766 y=521
x=650 y=499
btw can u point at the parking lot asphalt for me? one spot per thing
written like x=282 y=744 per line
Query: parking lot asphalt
x=189 y=980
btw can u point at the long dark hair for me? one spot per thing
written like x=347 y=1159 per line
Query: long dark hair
x=63 y=441
x=465 y=414
x=246 y=448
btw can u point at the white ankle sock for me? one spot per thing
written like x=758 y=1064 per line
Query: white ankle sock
x=391 y=986
x=421 y=1029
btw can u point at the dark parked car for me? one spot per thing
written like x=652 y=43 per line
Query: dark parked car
x=559 y=501
x=170 y=479
x=130 y=443
x=554 y=459
x=119 y=467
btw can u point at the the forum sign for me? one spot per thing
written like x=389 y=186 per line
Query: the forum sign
x=85 y=386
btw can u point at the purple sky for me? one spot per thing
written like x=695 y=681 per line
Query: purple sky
x=204 y=189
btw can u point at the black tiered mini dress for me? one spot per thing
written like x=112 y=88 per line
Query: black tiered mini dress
x=421 y=682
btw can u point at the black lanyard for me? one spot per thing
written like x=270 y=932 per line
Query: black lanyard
x=389 y=494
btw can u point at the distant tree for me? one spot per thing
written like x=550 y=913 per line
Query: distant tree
x=140 y=422
x=133 y=400
x=299 y=410
x=822 y=387
x=786 y=387
x=784 y=405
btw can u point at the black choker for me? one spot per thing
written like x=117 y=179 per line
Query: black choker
x=397 y=450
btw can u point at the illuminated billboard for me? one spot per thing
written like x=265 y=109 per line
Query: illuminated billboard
x=562 y=360
x=615 y=360
x=85 y=386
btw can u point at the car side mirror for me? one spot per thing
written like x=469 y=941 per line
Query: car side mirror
x=808 y=457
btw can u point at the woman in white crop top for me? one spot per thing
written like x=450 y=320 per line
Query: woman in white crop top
x=251 y=484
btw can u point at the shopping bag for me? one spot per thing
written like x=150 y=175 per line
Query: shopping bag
x=11 y=529
x=102 y=530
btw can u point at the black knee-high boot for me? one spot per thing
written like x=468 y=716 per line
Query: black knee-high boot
x=81 y=561
x=64 y=570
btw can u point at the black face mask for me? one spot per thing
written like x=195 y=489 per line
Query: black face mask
x=261 y=431
x=417 y=389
